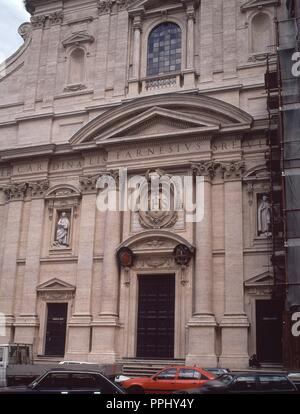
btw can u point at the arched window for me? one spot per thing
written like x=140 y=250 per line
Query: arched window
x=76 y=68
x=164 y=49
x=261 y=33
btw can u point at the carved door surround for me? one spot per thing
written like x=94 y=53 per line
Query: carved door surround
x=154 y=255
x=52 y=291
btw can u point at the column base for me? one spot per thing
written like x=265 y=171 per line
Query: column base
x=133 y=87
x=105 y=340
x=201 y=341
x=6 y=329
x=79 y=337
x=26 y=329
x=234 y=342
x=189 y=79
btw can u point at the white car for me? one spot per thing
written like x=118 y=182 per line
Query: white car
x=76 y=363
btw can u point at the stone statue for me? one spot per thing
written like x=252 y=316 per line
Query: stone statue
x=62 y=231
x=264 y=217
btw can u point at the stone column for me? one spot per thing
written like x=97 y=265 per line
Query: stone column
x=234 y=323
x=201 y=349
x=105 y=327
x=189 y=72
x=80 y=323
x=136 y=62
x=27 y=323
x=8 y=271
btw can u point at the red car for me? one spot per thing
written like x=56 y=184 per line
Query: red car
x=168 y=380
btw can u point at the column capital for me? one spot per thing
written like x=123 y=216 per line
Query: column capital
x=88 y=183
x=204 y=168
x=15 y=191
x=105 y=6
x=190 y=12
x=232 y=170
x=38 y=22
x=37 y=189
x=137 y=21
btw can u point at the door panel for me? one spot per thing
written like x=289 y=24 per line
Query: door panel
x=269 y=330
x=56 y=329
x=155 y=335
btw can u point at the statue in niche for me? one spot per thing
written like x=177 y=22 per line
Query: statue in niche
x=264 y=217
x=62 y=231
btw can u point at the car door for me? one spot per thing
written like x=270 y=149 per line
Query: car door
x=243 y=384
x=189 y=378
x=53 y=383
x=275 y=384
x=163 y=383
x=91 y=383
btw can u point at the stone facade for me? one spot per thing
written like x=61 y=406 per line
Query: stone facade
x=76 y=101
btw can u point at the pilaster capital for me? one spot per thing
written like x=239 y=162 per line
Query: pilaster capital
x=38 y=189
x=232 y=170
x=88 y=183
x=105 y=6
x=15 y=191
x=204 y=168
x=39 y=21
x=56 y=18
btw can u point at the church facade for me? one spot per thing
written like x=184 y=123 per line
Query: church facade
x=154 y=87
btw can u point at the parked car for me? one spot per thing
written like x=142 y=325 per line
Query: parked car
x=295 y=378
x=64 y=381
x=168 y=380
x=247 y=383
x=217 y=372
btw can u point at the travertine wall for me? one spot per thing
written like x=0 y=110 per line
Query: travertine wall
x=56 y=137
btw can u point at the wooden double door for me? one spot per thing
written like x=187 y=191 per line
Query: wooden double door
x=156 y=316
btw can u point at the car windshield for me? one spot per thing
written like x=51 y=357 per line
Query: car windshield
x=226 y=379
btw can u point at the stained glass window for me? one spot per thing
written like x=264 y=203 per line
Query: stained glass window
x=164 y=49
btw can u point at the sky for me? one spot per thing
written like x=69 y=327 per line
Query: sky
x=12 y=15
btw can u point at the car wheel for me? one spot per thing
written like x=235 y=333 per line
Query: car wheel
x=135 y=389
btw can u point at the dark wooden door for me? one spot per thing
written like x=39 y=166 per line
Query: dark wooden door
x=269 y=330
x=56 y=329
x=156 y=309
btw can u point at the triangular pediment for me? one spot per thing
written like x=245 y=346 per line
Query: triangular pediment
x=154 y=122
x=55 y=285
x=263 y=279
x=251 y=4
x=77 y=39
x=162 y=116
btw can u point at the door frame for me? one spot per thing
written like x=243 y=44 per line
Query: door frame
x=129 y=309
x=43 y=323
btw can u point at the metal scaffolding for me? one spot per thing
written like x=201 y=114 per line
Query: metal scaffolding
x=283 y=88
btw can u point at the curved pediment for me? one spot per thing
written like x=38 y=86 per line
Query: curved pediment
x=164 y=115
x=154 y=241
